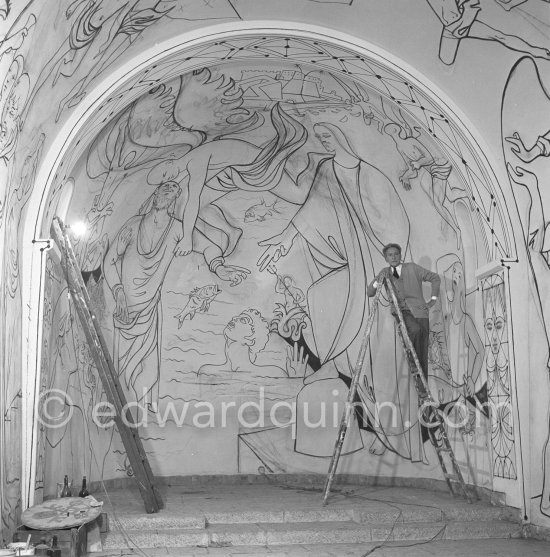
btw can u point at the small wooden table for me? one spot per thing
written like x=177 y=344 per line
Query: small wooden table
x=65 y=518
x=59 y=514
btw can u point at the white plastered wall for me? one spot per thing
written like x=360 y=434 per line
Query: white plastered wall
x=64 y=142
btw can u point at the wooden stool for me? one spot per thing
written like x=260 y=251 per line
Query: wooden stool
x=65 y=518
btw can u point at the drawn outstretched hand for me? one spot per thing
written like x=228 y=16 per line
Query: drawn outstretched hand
x=296 y=361
x=519 y=149
x=277 y=246
x=232 y=273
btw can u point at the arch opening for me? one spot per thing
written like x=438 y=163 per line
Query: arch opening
x=268 y=130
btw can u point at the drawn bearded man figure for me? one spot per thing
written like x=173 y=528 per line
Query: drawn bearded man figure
x=135 y=267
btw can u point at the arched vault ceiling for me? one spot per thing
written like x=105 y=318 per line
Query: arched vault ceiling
x=228 y=86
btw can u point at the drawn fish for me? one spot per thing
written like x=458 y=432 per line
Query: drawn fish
x=199 y=302
x=260 y=211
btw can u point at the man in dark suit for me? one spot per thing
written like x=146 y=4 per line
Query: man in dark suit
x=407 y=279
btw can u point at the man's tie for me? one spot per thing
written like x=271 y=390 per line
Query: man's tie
x=395 y=273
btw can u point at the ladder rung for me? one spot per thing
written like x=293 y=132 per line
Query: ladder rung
x=105 y=367
x=431 y=414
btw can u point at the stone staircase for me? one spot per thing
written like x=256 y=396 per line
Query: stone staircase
x=282 y=515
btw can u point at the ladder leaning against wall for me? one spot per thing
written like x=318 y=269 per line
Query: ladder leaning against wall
x=113 y=390
x=428 y=408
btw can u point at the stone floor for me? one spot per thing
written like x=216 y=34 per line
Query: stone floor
x=409 y=521
x=445 y=548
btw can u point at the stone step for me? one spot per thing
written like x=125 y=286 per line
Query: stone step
x=157 y=522
x=500 y=547
x=273 y=534
x=375 y=513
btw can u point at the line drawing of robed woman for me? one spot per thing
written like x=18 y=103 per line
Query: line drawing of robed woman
x=352 y=211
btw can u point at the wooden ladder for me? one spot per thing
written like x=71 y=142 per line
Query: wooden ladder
x=429 y=414
x=107 y=373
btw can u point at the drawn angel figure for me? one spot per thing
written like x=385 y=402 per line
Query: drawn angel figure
x=215 y=168
x=159 y=129
x=461 y=19
x=163 y=125
x=435 y=185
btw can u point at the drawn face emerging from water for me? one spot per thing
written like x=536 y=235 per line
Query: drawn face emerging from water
x=240 y=329
x=248 y=328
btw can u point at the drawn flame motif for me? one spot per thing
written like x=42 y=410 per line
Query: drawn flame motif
x=211 y=105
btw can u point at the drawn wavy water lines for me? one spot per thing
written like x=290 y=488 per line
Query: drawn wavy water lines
x=186 y=350
x=186 y=400
x=192 y=338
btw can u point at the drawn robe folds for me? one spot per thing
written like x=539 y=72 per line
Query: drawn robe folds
x=350 y=214
x=137 y=343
